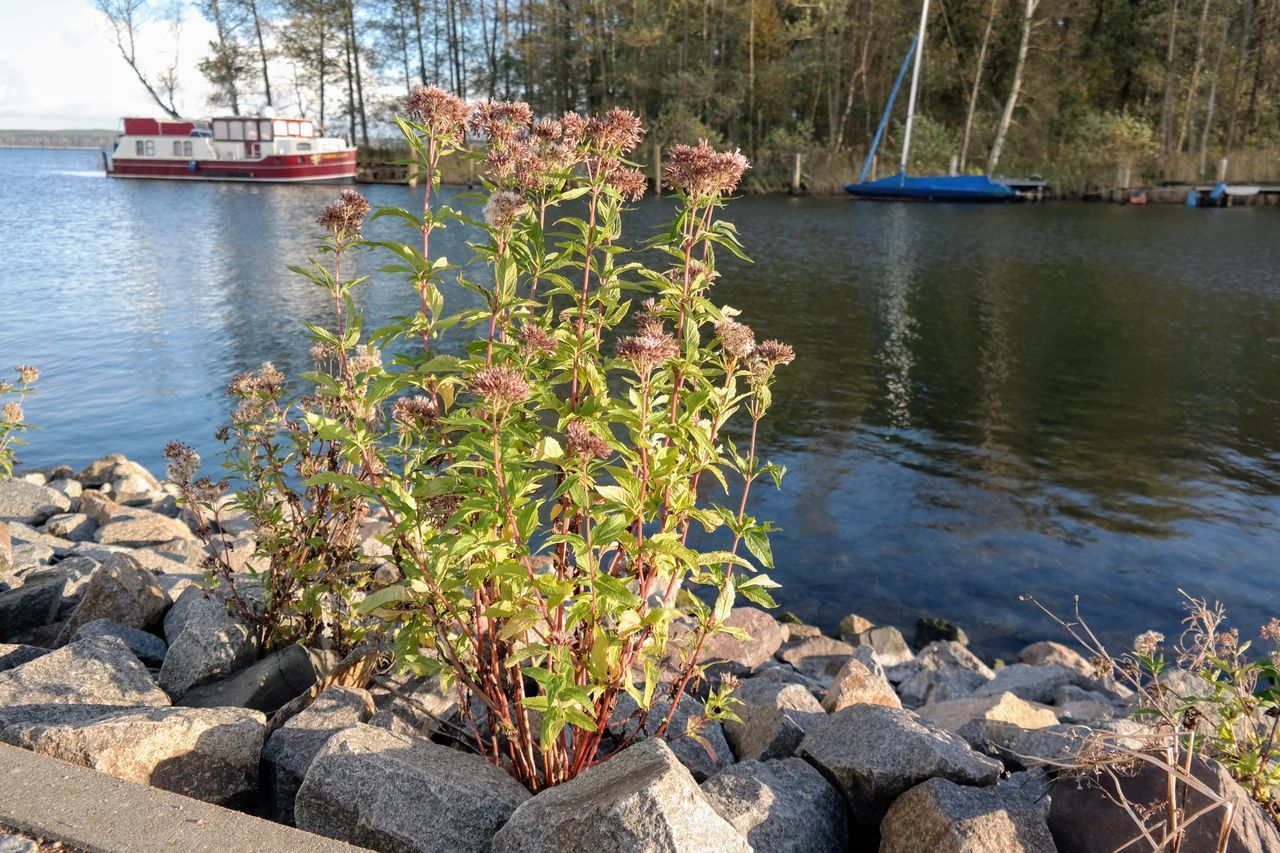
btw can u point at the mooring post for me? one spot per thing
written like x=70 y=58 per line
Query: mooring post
x=657 y=169
x=1222 y=170
x=954 y=167
x=795 y=176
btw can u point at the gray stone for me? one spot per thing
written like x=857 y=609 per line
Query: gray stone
x=30 y=606
x=403 y=795
x=148 y=648
x=941 y=672
x=205 y=640
x=819 y=658
x=78 y=571
x=891 y=647
x=33 y=554
x=642 y=799
x=139 y=528
x=741 y=657
x=268 y=684
x=411 y=705
x=99 y=671
x=782 y=806
x=969 y=718
x=1086 y=817
x=855 y=683
x=17 y=844
x=1048 y=651
x=1025 y=748
x=291 y=748
x=210 y=754
x=6 y=551
x=939 y=816
x=29 y=503
x=12 y=655
x=71 y=488
x=72 y=526
x=100 y=471
x=872 y=754
x=851 y=626
x=1033 y=683
x=122 y=591
x=703 y=760
x=775 y=716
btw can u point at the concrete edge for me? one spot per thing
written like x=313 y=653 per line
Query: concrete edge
x=98 y=813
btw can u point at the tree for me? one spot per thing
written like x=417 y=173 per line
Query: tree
x=127 y=18
x=1006 y=118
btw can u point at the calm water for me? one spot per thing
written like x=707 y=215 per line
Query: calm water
x=1054 y=399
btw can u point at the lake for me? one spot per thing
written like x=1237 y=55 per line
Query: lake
x=1055 y=399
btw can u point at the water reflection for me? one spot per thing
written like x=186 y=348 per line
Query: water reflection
x=1057 y=399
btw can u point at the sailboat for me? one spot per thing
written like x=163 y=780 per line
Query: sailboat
x=920 y=187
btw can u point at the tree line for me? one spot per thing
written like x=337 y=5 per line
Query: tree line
x=1028 y=85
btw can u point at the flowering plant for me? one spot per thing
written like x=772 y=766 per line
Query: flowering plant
x=13 y=420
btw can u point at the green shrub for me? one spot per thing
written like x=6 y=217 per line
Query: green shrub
x=13 y=420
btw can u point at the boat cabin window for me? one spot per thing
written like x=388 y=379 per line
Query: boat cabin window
x=251 y=130
x=294 y=130
x=151 y=149
x=307 y=129
x=177 y=148
x=220 y=129
x=302 y=146
x=138 y=149
x=264 y=128
x=237 y=130
x=281 y=128
x=186 y=149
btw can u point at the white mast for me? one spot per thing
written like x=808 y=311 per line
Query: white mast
x=915 y=87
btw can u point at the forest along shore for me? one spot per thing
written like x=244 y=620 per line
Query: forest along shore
x=116 y=654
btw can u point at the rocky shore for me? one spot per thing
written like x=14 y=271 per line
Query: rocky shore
x=113 y=656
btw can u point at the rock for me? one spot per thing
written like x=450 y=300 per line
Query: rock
x=205 y=642
x=98 y=506
x=17 y=844
x=889 y=644
x=148 y=648
x=931 y=629
x=641 y=799
x=71 y=488
x=375 y=789
x=6 y=551
x=872 y=754
x=782 y=806
x=139 y=528
x=854 y=683
x=853 y=625
x=29 y=503
x=292 y=747
x=820 y=658
x=741 y=657
x=176 y=583
x=775 y=716
x=78 y=571
x=98 y=671
x=268 y=684
x=72 y=526
x=1024 y=748
x=968 y=718
x=12 y=655
x=122 y=591
x=100 y=471
x=942 y=671
x=702 y=761
x=210 y=754
x=939 y=816
x=1084 y=711
x=1086 y=818
x=33 y=554
x=798 y=631
x=1038 y=654
x=409 y=705
x=1033 y=683
x=30 y=606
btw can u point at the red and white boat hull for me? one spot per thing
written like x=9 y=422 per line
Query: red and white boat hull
x=328 y=167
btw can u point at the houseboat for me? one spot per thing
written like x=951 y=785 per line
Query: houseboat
x=235 y=148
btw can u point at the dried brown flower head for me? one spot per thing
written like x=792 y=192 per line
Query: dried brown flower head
x=582 y=443
x=616 y=132
x=504 y=208
x=417 y=411
x=501 y=120
x=27 y=373
x=365 y=360
x=702 y=172
x=650 y=321
x=346 y=215
x=499 y=386
x=1147 y=643
x=207 y=492
x=775 y=352
x=322 y=351
x=547 y=130
x=648 y=351
x=737 y=338
x=630 y=183
x=1271 y=630
x=183 y=462
x=534 y=340
x=12 y=413
x=443 y=114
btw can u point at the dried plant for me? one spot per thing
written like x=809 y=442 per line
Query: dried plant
x=13 y=419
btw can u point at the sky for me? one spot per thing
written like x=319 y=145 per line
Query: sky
x=59 y=67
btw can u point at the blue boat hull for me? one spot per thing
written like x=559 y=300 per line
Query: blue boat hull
x=933 y=188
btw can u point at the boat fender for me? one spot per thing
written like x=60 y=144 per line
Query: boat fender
x=1193 y=198
x=191 y=165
